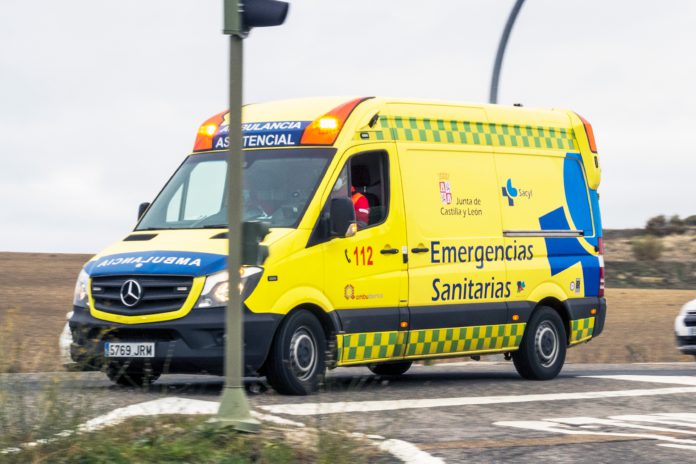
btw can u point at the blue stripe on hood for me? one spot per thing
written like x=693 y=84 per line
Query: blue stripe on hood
x=158 y=262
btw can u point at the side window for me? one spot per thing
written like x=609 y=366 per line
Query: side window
x=365 y=179
x=369 y=186
x=174 y=206
x=205 y=191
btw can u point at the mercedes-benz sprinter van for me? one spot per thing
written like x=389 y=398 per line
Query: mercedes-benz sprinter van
x=401 y=230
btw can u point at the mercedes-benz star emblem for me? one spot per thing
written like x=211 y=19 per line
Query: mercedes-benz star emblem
x=131 y=293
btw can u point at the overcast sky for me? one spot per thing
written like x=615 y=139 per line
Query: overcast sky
x=100 y=100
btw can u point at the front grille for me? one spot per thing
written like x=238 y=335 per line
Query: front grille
x=686 y=341
x=160 y=294
x=690 y=320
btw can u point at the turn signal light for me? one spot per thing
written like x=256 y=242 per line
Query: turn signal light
x=593 y=311
x=325 y=130
x=590 y=133
x=515 y=317
x=403 y=324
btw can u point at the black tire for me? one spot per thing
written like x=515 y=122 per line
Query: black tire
x=543 y=348
x=390 y=369
x=297 y=360
x=128 y=377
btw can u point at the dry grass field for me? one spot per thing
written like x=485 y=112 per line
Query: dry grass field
x=36 y=292
x=676 y=248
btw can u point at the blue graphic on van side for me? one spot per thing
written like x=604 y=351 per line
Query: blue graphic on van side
x=158 y=263
x=576 y=194
x=564 y=252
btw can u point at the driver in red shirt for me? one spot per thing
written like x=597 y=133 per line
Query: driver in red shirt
x=362 y=208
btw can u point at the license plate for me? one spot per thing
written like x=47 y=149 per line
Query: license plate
x=129 y=350
x=691 y=331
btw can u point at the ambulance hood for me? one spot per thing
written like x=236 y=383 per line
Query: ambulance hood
x=192 y=252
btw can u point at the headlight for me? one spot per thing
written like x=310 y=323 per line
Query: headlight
x=216 y=289
x=80 y=297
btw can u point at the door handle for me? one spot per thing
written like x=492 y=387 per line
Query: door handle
x=420 y=250
x=389 y=251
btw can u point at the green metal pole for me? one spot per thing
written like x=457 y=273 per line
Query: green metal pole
x=234 y=407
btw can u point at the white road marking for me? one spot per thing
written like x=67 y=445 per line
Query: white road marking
x=653 y=420
x=614 y=427
x=682 y=416
x=171 y=405
x=671 y=445
x=408 y=452
x=313 y=409
x=403 y=450
x=670 y=379
x=616 y=423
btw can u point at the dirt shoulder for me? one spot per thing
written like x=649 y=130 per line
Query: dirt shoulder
x=36 y=292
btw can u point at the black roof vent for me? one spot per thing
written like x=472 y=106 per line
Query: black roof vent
x=139 y=237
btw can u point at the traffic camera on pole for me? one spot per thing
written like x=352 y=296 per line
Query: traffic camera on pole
x=253 y=13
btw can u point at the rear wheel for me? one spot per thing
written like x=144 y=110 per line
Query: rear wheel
x=124 y=375
x=297 y=360
x=543 y=348
x=390 y=369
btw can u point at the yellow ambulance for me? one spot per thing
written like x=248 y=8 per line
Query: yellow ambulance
x=401 y=230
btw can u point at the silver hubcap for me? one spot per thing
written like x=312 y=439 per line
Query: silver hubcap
x=546 y=343
x=303 y=354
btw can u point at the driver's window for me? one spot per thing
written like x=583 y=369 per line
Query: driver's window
x=205 y=190
x=365 y=180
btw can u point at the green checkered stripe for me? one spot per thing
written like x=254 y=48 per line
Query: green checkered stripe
x=358 y=347
x=485 y=338
x=398 y=128
x=581 y=330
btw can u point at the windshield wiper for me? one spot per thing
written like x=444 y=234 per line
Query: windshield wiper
x=214 y=226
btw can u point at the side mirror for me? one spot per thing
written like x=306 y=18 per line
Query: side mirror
x=142 y=208
x=342 y=218
x=253 y=233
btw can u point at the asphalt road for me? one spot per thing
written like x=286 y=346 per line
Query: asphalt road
x=477 y=412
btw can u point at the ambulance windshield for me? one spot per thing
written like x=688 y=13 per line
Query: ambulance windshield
x=278 y=185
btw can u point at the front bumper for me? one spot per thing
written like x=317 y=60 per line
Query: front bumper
x=190 y=345
x=687 y=344
x=684 y=328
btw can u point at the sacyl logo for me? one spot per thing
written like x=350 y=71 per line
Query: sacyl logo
x=131 y=293
x=511 y=193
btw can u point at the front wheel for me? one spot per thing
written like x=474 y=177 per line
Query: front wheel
x=543 y=348
x=297 y=360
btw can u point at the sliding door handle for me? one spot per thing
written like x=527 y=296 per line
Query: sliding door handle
x=420 y=250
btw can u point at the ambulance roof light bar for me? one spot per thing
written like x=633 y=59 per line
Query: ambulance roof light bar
x=325 y=129
x=204 y=138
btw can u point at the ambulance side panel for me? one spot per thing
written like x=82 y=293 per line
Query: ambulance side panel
x=547 y=210
x=458 y=288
